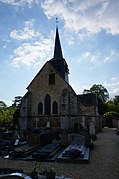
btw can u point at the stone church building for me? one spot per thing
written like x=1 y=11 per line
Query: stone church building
x=51 y=103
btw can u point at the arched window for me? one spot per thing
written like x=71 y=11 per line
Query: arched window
x=55 y=107
x=47 y=104
x=40 y=108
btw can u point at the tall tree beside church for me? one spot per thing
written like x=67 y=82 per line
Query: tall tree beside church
x=100 y=90
x=102 y=95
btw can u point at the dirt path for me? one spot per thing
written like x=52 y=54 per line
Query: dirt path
x=104 y=160
x=105 y=155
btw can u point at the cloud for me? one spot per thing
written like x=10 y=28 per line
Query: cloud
x=113 y=86
x=32 y=53
x=26 y=33
x=86 y=17
x=5 y=43
x=88 y=56
x=98 y=57
x=111 y=57
x=114 y=79
x=21 y=3
x=115 y=91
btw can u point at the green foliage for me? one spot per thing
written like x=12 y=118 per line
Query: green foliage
x=111 y=115
x=10 y=114
x=102 y=96
x=112 y=109
x=101 y=92
x=113 y=104
x=116 y=103
x=2 y=104
x=110 y=105
x=6 y=114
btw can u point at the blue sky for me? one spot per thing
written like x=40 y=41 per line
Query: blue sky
x=89 y=35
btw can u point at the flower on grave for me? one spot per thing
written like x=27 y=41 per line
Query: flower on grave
x=74 y=152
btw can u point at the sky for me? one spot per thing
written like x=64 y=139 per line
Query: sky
x=89 y=35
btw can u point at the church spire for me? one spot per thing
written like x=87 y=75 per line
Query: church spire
x=58 y=62
x=57 y=48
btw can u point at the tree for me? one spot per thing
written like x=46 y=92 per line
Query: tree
x=17 y=101
x=111 y=114
x=7 y=113
x=116 y=103
x=101 y=92
x=110 y=106
x=2 y=104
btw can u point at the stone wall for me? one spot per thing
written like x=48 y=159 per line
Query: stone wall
x=61 y=92
x=40 y=87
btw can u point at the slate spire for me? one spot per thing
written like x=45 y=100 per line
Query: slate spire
x=57 y=48
x=58 y=62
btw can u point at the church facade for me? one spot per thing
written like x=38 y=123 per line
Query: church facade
x=51 y=102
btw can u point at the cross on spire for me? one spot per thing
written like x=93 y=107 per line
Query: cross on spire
x=57 y=21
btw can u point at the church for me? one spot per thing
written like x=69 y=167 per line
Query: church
x=51 y=102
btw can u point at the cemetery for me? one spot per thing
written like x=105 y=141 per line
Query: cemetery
x=69 y=147
x=73 y=148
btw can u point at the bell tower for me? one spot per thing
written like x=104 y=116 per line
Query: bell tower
x=58 y=62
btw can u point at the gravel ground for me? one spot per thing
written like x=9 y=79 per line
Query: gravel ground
x=103 y=164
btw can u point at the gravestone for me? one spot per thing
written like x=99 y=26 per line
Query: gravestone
x=64 y=137
x=92 y=128
x=77 y=139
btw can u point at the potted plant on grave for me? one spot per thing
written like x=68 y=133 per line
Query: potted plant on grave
x=50 y=173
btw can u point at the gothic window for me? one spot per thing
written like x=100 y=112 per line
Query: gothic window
x=51 y=79
x=40 y=108
x=47 y=104
x=55 y=107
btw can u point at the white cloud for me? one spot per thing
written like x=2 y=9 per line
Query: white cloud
x=32 y=53
x=21 y=3
x=26 y=33
x=6 y=42
x=85 y=17
x=88 y=56
x=113 y=86
x=111 y=57
x=114 y=79
x=116 y=91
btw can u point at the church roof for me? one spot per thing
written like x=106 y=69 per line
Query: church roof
x=89 y=99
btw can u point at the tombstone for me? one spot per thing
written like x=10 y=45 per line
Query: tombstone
x=64 y=122
x=64 y=137
x=77 y=139
x=92 y=130
x=45 y=138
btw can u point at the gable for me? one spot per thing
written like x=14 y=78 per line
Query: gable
x=43 y=80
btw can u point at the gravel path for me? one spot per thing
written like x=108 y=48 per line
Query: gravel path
x=103 y=164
